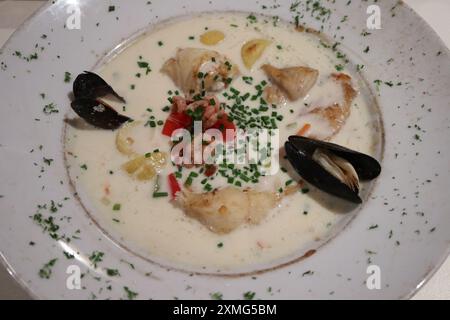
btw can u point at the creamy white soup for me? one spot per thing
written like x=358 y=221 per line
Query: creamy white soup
x=150 y=222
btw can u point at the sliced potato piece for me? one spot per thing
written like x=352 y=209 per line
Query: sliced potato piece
x=133 y=165
x=157 y=159
x=146 y=172
x=145 y=167
x=124 y=139
x=253 y=50
x=211 y=38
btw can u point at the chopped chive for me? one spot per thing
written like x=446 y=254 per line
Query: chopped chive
x=188 y=181
x=160 y=194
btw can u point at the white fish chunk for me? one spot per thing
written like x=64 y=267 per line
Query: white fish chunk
x=295 y=82
x=197 y=71
x=224 y=210
x=327 y=120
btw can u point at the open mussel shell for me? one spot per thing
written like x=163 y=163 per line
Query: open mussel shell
x=98 y=113
x=301 y=152
x=88 y=87
x=91 y=85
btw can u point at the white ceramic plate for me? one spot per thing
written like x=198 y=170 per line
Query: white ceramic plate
x=402 y=229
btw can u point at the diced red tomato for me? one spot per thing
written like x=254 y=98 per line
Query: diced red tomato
x=175 y=121
x=210 y=170
x=179 y=119
x=173 y=185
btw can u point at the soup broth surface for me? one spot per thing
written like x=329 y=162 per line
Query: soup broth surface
x=158 y=229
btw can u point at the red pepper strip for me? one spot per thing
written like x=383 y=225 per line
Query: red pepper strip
x=176 y=120
x=173 y=185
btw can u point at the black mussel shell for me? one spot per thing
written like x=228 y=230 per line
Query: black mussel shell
x=300 y=150
x=91 y=85
x=98 y=113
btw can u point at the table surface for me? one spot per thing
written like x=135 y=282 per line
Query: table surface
x=13 y=13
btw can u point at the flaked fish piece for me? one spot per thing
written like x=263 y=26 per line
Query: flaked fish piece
x=197 y=71
x=224 y=210
x=326 y=121
x=274 y=96
x=294 y=82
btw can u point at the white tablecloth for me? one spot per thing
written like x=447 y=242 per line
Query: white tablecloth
x=435 y=12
